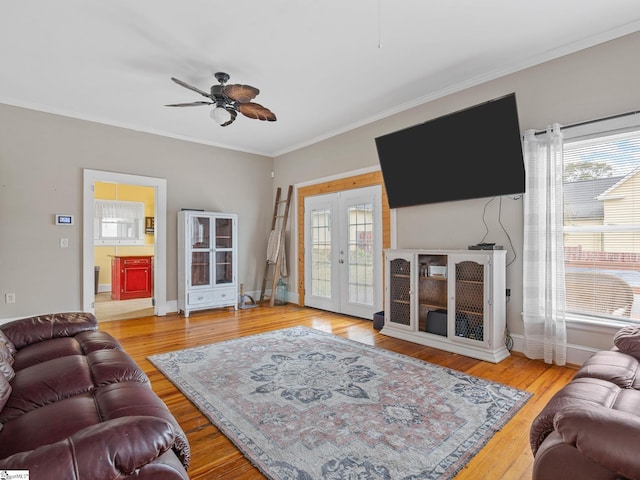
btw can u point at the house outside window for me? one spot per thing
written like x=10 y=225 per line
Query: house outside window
x=601 y=198
x=118 y=222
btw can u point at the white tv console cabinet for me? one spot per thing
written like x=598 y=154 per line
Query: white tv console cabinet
x=454 y=300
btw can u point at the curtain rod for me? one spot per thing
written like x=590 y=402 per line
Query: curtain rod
x=587 y=122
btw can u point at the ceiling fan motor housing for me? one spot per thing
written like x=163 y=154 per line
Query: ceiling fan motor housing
x=222 y=77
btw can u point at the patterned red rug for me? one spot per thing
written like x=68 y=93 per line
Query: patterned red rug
x=303 y=404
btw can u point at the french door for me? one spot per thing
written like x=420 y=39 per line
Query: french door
x=343 y=251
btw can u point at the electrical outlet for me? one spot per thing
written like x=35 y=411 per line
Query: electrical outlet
x=9 y=298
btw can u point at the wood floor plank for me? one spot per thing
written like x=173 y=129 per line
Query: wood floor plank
x=507 y=456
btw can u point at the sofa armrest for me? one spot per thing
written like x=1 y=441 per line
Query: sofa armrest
x=608 y=437
x=26 y=331
x=109 y=450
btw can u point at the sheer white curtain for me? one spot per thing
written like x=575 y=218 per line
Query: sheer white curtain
x=119 y=209
x=545 y=335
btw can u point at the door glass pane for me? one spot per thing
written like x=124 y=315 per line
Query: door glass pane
x=224 y=267
x=224 y=233
x=200 y=232
x=360 y=248
x=321 y=253
x=200 y=268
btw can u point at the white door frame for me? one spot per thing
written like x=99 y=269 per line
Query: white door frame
x=160 y=237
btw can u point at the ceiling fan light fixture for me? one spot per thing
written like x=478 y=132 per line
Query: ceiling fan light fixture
x=220 y=115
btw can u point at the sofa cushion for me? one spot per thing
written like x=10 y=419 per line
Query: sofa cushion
x=48 y=424
x=42 y=384
x=124 y=446
x=80 y=344
x=36 y=329
x=627 y=339
x=613 y=366
x=57 y=421
x=581 y=391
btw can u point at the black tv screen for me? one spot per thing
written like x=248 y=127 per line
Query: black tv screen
x=472 y=153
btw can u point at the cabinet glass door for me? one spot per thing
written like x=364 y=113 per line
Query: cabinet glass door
x=224 y=251
x=224 y=267
x=200 y=232
x=200 y=237
x=224 y=233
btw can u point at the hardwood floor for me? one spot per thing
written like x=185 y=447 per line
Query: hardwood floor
x=506 y=456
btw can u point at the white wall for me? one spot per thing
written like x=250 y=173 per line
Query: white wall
x=42 y=157
x=596 y=82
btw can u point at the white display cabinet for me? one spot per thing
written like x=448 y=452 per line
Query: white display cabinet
x=454 y=300
x=207 y=260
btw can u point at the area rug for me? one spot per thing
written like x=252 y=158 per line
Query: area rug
x=304 y=404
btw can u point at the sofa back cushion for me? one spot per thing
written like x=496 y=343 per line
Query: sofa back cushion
x=36 y=329
x=627 y=339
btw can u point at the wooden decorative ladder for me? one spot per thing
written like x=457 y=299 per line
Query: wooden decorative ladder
x=278 y=226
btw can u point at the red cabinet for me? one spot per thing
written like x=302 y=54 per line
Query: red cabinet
x=131 y=277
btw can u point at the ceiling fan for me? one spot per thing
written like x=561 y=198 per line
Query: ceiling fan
x=228 y=101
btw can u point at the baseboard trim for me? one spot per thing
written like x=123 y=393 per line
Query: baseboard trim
x=576 y=354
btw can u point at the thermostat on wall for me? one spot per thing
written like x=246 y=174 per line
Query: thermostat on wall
x=63 y=219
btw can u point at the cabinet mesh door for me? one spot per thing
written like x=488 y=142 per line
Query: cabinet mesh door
x=400 y=290
x=470 y=300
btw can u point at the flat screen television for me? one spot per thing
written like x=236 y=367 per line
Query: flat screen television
x=471 y=153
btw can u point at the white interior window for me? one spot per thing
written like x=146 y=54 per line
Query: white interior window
x=118 y=222
x=601 y=192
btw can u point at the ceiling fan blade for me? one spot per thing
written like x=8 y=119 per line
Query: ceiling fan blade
x=257 y=111
x=190 y=87
x=190 y=104
x=241 y=93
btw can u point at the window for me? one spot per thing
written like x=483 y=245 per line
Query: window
x=601 y=194
x=118 y=222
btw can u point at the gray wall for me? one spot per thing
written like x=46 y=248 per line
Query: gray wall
x=42 y=157
x=593 y=83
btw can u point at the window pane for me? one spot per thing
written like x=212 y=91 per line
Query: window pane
x=602 y=225
x=119 y=221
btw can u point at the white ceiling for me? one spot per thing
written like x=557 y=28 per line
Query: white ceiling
x=323 y=67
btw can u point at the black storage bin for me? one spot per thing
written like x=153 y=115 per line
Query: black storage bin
x=437 y=322
x=378 y=320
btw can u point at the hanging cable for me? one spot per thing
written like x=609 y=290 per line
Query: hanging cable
x=515 y=255
x=484 y=212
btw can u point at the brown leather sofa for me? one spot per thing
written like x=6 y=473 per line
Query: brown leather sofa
x=74 y=405
x=590 y=429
